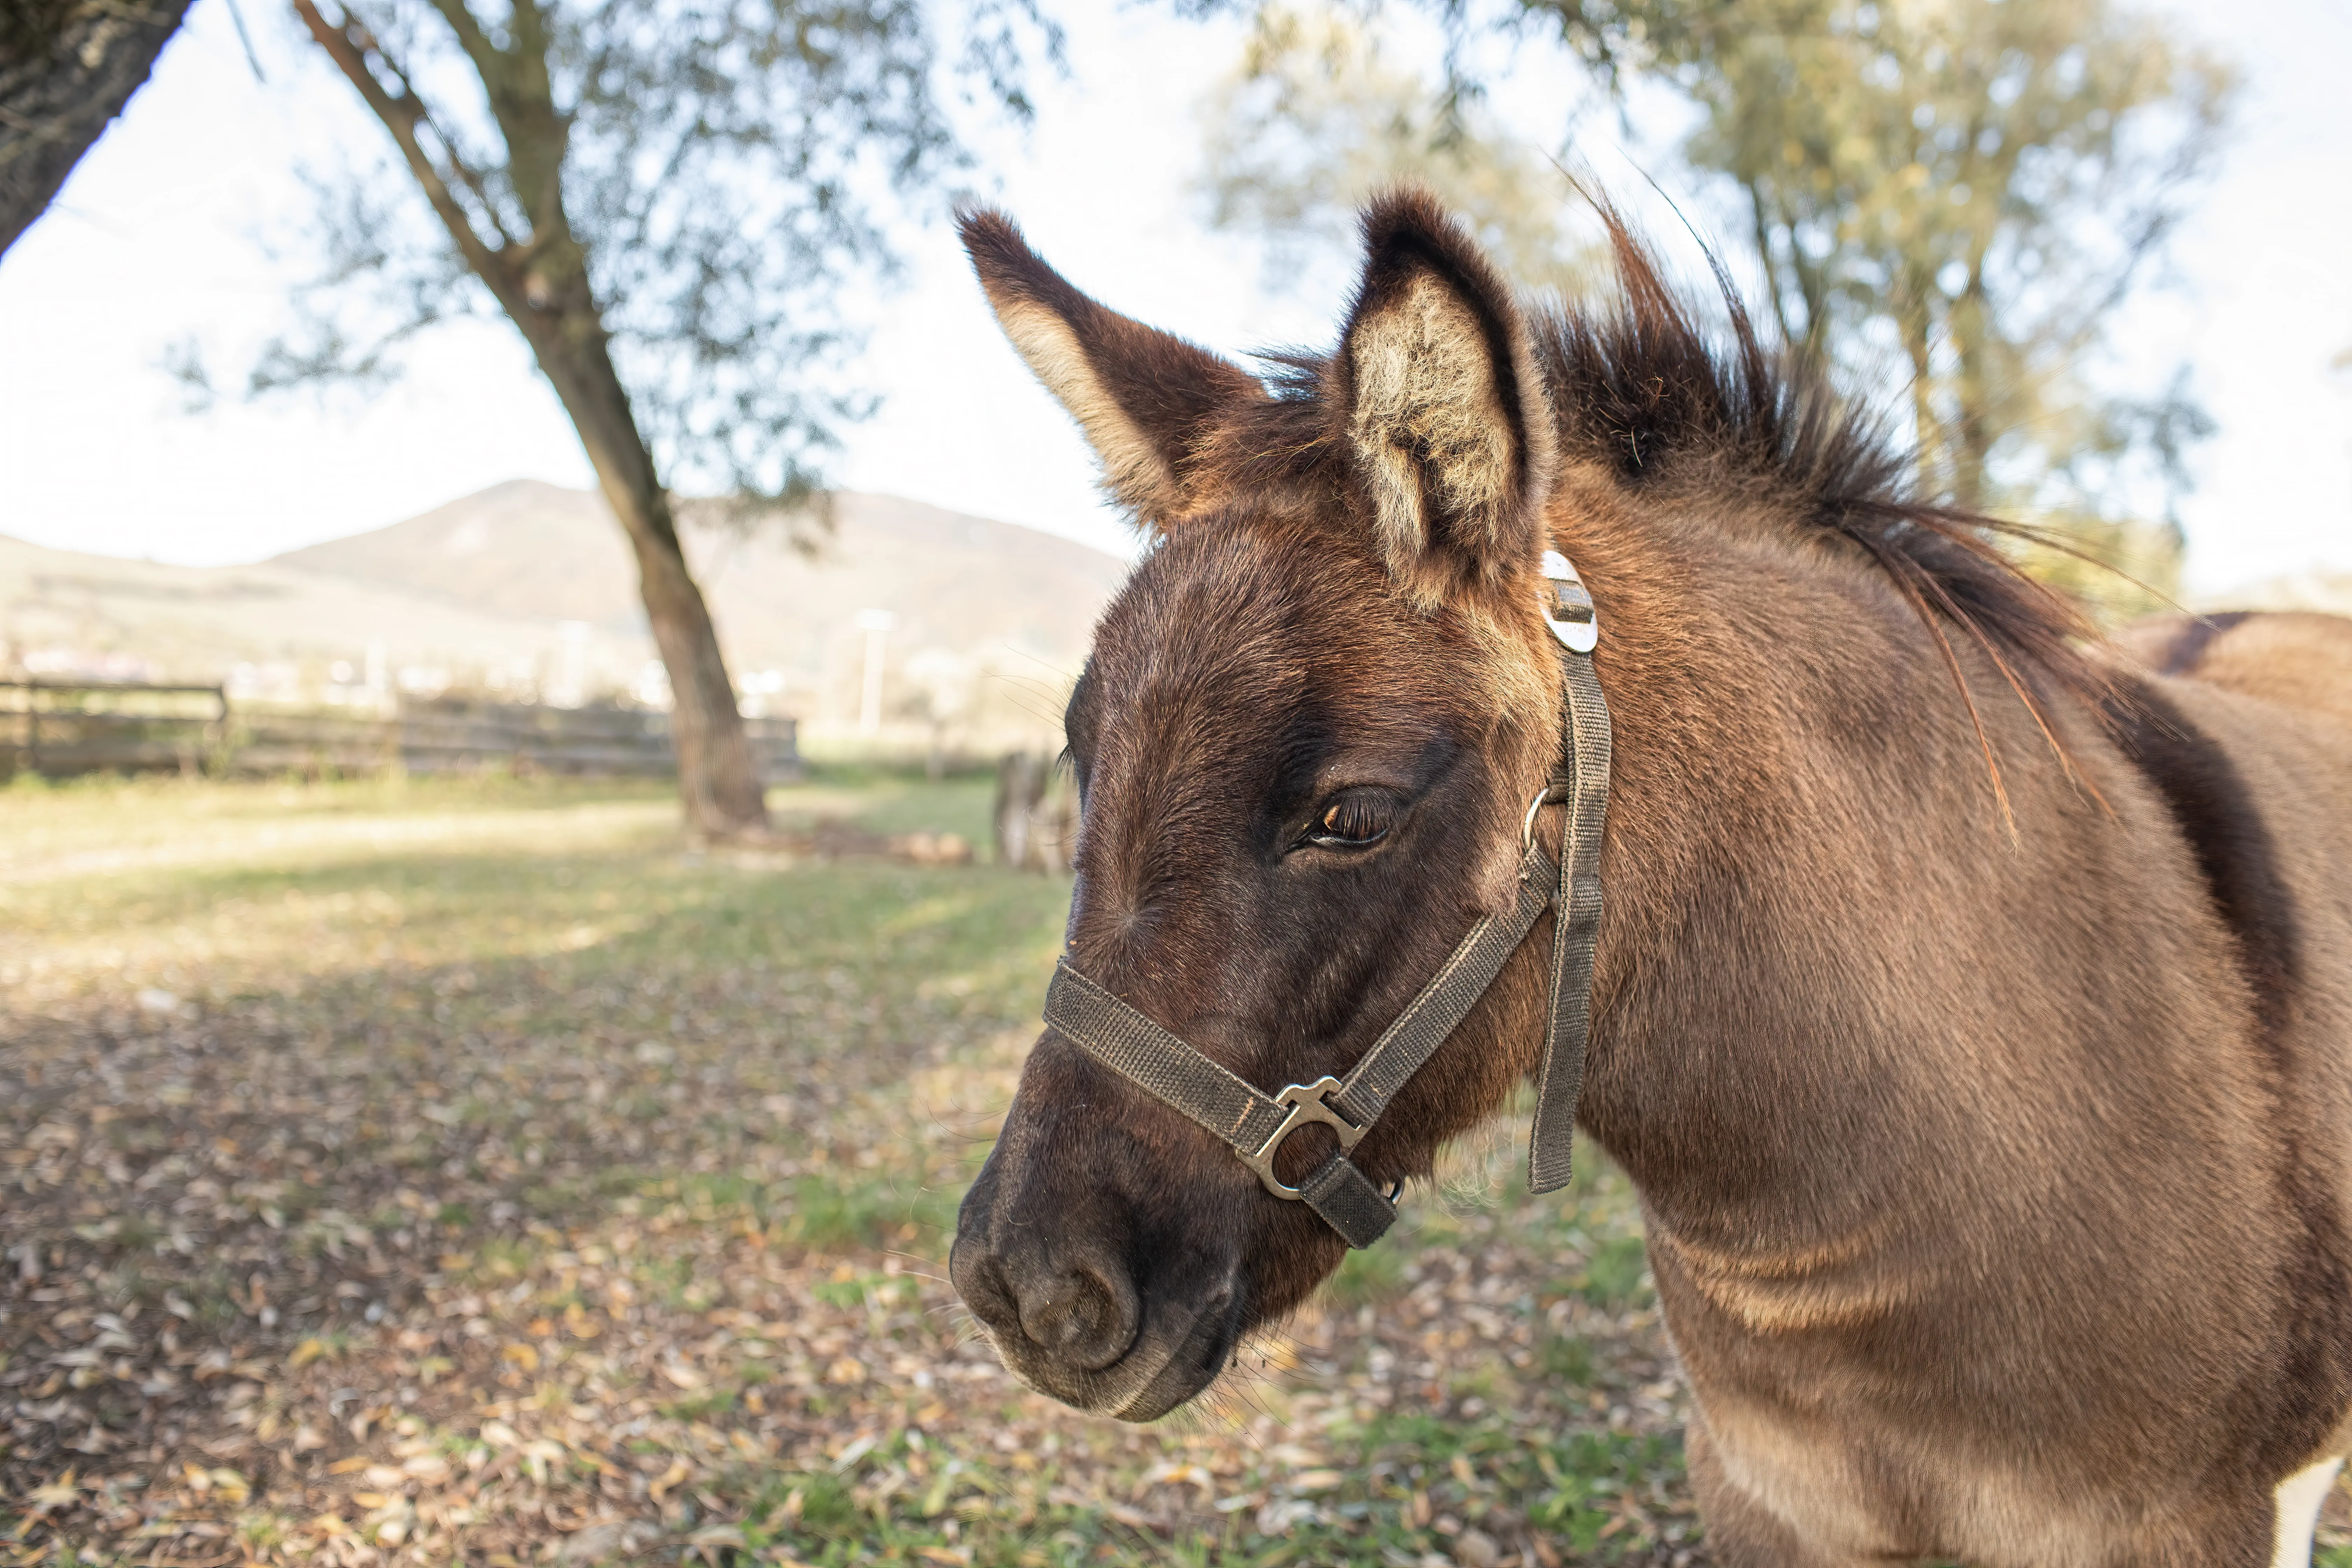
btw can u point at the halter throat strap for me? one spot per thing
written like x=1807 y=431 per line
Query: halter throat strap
x=1255 y=1125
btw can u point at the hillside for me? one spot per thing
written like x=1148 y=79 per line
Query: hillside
x=479 y=592
x=63 y=611
x=530 y=551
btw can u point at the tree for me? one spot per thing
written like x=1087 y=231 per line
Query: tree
x=1989 y=177
x=1973 y=185
x=66 y=69
x=1317 y=117
x=666 y=198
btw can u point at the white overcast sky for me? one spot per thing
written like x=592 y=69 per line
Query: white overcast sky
x=154 y=238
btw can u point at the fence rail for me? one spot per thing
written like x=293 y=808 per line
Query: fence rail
x=60 y=729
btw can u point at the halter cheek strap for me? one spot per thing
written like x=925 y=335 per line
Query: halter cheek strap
x=1255 y=1124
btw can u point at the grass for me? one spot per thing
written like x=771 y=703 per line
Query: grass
x=471 y=1170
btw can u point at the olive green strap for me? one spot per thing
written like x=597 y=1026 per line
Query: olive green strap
x=1576 y=923
x=1180 y=1078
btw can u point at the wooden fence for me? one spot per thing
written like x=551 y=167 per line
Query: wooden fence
x=63 y=728
x=60 y=729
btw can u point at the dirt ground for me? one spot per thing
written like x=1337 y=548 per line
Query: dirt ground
x=470 y=1173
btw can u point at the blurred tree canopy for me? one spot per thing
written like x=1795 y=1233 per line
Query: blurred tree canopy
x=670 y=200
x=1317 y=116
x=1972 y=186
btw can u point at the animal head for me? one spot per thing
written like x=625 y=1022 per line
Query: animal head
x=1303 y=744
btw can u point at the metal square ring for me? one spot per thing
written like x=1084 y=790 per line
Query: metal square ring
x=1306 y=1104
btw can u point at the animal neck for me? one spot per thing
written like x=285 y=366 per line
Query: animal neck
x=1825 y=951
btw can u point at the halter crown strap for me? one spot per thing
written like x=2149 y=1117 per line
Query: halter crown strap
x=1581 y=781
x=1255 y=1124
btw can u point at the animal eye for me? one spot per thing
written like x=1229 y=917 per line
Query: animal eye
x=1354 y=820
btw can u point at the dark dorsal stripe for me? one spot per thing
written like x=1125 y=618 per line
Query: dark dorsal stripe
x=2186 y=651
x=2210 y=804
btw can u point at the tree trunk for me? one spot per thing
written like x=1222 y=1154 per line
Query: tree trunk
x=542 y=285
x=1928 y=436
x=1972 y=433
x=716 y=778
x=67 y=67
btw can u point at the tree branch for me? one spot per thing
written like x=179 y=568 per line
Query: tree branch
x=348 y=45
x=522 y=99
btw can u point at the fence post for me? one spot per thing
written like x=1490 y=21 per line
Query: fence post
x=1016 y=793
x=215 y=735
x=1034 y=812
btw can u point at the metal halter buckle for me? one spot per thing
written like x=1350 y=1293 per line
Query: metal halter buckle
x=1571 y=615
x=1306 y=1104
x=1551 y=792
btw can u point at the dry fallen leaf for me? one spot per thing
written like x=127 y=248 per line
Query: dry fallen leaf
x=668 y=1479
x=59 y=1493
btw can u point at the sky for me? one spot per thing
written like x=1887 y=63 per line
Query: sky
x=162 y=233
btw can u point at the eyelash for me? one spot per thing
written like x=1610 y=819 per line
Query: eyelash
x=1352 y=822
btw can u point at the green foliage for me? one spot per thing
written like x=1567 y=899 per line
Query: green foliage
x=1981 y=182
x=1590 y=1472
x=699 y=1406
x=1317 y=116
x=2116 y=570
x=1970 y=187
x=825 y=1506
x=686 y=189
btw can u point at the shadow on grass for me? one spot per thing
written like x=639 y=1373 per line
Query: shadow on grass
x=590 y=1196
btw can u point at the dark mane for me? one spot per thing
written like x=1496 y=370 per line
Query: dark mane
x=1644 y=388
x=1652 y=388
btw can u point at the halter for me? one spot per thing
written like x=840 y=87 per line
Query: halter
x=1255 y=1125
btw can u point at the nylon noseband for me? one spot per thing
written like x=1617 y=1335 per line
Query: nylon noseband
x=1255 y=1124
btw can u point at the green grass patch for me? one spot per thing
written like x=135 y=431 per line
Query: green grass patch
x=1616 y=1275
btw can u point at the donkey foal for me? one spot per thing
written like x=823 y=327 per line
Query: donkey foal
x=1971 y=1003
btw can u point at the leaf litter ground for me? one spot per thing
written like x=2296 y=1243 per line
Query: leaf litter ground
x=470 y=1173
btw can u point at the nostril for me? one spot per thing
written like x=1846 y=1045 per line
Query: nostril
x=979 y=1278
x=1084 y=1317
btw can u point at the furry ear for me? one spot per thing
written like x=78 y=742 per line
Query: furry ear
x=1444 y=408
x=1147 y=399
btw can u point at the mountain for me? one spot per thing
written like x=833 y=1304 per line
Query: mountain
x=527 y=551
x=66 y=613
x=479 y=592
